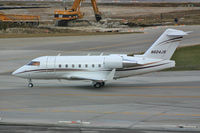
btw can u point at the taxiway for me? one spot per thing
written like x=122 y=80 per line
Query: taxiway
x=162 y=101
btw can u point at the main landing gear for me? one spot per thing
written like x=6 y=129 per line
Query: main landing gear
x=98 y=84
x=30 y=84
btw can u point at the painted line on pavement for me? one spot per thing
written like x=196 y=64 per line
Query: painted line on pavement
x=95 y=112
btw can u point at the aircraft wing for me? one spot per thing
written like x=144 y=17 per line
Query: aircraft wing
x=94 y=76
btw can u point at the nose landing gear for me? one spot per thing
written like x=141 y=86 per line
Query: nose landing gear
x=30 y=84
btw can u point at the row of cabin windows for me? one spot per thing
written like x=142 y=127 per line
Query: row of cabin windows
x=86 y=65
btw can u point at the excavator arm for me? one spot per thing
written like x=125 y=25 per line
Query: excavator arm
x=76 y=5
x=96 y=10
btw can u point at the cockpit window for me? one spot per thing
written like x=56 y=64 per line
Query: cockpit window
x=34 y=63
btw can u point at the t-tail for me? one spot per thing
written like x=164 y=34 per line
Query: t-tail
x=165 y=46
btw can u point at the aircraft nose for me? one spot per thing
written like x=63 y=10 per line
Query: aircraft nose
x=14 y=73
x=17 y=72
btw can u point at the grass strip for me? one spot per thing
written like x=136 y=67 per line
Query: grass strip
x=12 y=35
x=187 y=58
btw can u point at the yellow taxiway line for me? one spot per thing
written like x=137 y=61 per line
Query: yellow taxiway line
x=95 y=112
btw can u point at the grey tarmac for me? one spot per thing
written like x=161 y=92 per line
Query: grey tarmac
x=155 y=102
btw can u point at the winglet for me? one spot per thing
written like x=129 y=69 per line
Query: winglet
x=111 y=75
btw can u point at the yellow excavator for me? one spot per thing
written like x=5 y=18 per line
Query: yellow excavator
x=62 y=17
x=15 y=20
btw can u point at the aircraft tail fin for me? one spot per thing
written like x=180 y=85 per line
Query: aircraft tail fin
x=166 y=44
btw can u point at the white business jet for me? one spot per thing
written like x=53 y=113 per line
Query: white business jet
x=103 y=68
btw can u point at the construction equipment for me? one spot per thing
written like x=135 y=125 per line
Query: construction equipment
x=19 y=20
x=96 y=10
x=62 y=17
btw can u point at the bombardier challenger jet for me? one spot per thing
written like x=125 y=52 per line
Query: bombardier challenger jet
x=103 y=68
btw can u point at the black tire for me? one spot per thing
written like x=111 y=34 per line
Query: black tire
x=97 y=85
x=30 y=85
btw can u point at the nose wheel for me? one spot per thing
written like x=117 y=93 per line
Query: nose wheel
x=30 y=84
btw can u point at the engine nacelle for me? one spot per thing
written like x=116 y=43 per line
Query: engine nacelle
x=116 y=61
x=113 y=61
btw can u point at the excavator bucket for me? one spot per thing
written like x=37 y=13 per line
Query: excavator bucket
x=98 y=17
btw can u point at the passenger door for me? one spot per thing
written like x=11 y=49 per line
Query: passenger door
x=50 y=66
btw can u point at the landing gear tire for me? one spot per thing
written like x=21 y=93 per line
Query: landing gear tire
x=30 y=85
x=97 y=85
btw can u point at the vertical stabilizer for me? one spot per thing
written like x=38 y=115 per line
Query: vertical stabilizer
x=165 y=45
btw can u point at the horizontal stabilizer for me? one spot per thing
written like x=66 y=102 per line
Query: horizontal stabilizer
x=173 y=32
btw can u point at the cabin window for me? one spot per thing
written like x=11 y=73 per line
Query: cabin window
x=79 y=65
x=34 y=63
x=66 y=66
x=60 y=65
x=73 y=65
x=99 y=65
x=86 y=65
x=93 y=65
